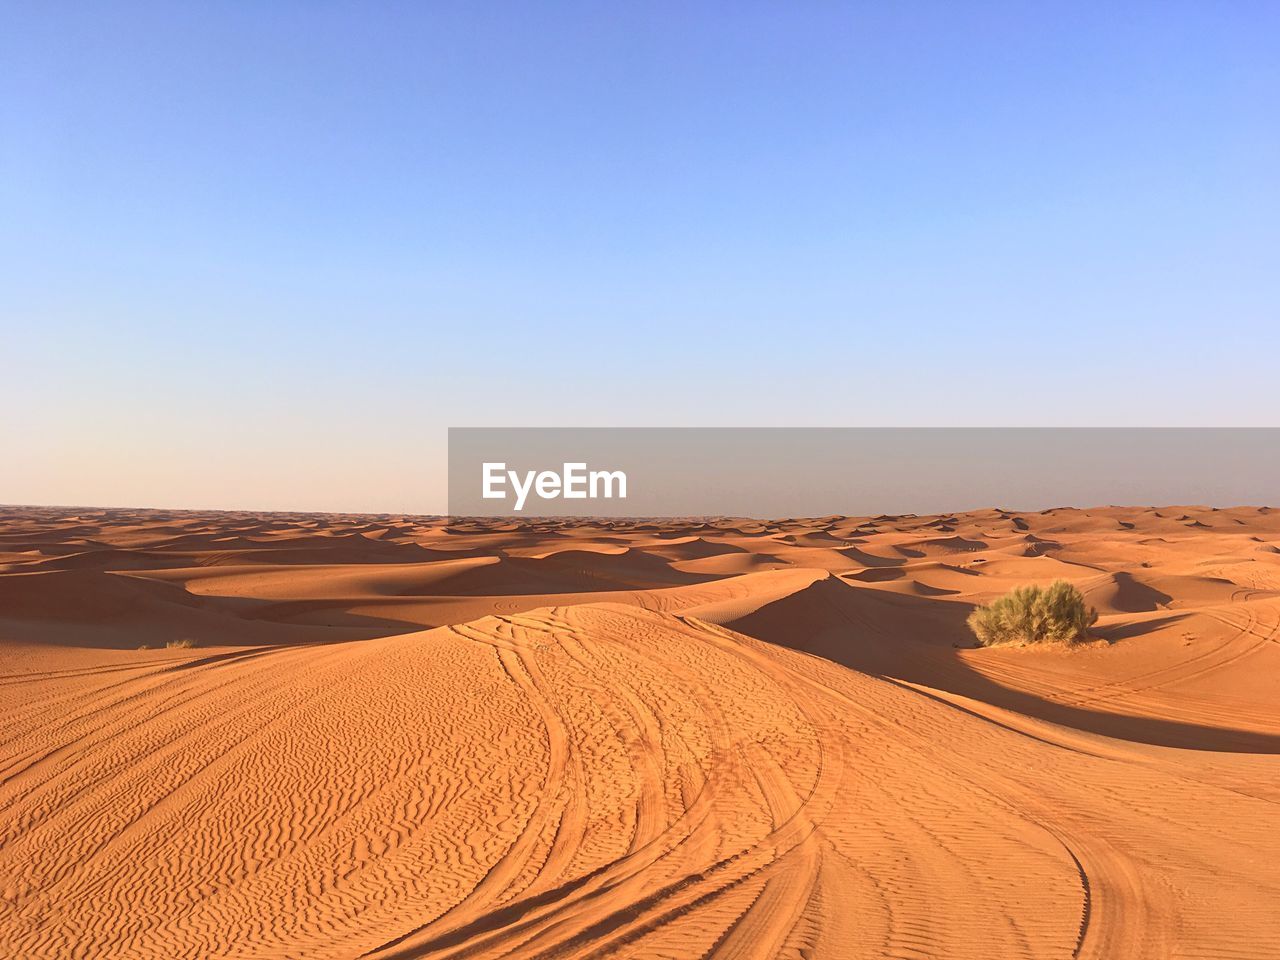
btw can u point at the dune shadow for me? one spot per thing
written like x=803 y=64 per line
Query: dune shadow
x=878 y=574
x=1134 y=596
x=908 y=637
x=1126 y=631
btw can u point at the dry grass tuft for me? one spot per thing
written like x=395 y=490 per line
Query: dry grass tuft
x=1034 y=614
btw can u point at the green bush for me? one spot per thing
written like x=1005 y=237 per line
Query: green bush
x=1034 y=614
x=186 y=643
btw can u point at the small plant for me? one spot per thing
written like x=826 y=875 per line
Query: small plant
x=185 y=643
x=1034 y=614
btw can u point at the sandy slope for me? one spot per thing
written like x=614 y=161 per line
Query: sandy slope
x=398 y=738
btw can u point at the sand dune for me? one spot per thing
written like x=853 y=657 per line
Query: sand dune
x=400 y=737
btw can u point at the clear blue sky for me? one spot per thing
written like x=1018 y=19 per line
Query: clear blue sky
x=262 y=255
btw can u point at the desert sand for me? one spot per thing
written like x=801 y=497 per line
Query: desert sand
x=234 y=735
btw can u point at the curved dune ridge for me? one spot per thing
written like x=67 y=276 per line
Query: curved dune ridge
x=269 y=736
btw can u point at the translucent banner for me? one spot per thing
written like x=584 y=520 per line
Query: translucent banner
x=809 y=472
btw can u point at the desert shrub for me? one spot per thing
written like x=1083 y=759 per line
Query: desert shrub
x=186 y=643
x=1034 y=614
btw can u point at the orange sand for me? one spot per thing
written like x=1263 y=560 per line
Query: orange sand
x=399 y=738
